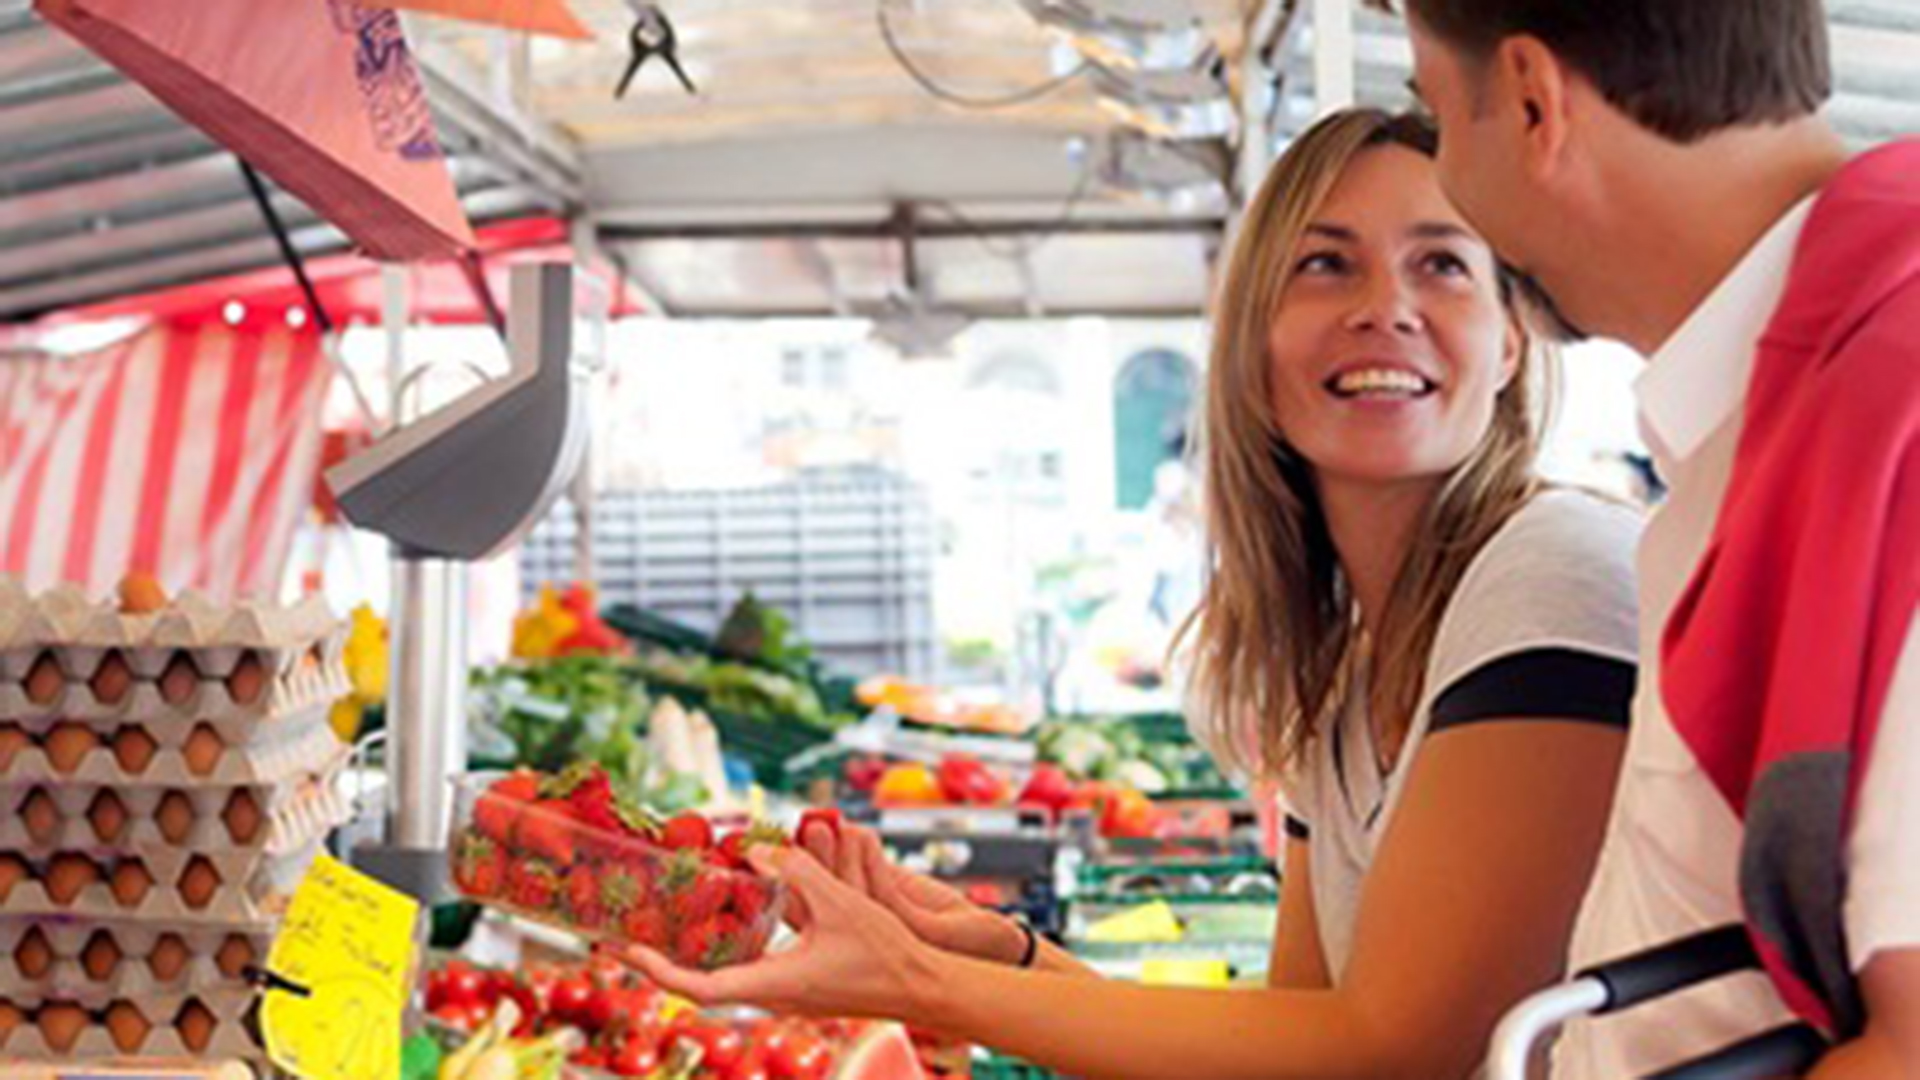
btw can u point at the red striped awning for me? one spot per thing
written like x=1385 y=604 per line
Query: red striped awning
x=186 y=452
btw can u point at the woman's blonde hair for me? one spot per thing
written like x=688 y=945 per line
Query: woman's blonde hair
x=1276 y=638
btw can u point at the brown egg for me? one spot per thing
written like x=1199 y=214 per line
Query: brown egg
x=112 y=679
x=235 y=954
x=174 y=816
x=195 y=1024
x=61 y=1025
x=101 y=957
x=128 y=1026
x=34 y=955
x=248 y=681
x=42 y=816
x=168 y=958
x=108 y=815
x=199 y=882
x=13 y=870
x=67 y=875
x=68 y=744
x=12 y=741
x=180 y=681
x=44 y=680
x=130 y=883
x=243 y=817
x=10 y=1018
x=133 y=748
x=141 y=594
x=203 y=750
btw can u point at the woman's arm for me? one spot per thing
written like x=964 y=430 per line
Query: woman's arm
x=1299 y=962
x=1467 y=910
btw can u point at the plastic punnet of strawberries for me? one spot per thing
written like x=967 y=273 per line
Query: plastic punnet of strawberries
x=570 y=851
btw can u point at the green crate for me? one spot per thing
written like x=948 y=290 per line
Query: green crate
x=999 y=1067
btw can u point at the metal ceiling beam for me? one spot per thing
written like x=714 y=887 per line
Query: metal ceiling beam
x=235 y=255
x=523 y=145
x=887 y=229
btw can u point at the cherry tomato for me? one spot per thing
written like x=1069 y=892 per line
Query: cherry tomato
x=721 y=1046
x=572 y=999
x=636 y=1057
x=454 y=1016
x=802 y=1056
x=753 y=1066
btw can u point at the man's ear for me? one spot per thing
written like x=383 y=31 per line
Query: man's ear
x=1536 y=86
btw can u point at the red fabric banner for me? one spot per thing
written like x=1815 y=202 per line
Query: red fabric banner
x=188 y=453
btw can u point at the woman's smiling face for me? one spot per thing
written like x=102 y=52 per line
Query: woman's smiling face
x=1390 y=342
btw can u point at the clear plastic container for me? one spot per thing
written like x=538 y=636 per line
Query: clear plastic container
x=539 y=861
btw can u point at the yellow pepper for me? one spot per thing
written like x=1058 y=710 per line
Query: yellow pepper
x=538 y=631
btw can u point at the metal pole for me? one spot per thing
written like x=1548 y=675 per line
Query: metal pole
x=1333 y=60
x=426 y=711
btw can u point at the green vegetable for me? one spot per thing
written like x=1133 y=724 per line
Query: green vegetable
x=420 y=1058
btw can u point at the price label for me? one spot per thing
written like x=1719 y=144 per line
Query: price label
x=340 y=970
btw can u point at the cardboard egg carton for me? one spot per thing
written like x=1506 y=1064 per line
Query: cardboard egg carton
x=252 y=889
x=298 y=681
x=131 y=977
x=250 y=753
x=232 y=1035
x=292 y=811
x=81 y=632
x=136 y=941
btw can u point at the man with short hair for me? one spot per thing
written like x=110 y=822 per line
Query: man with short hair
x=1657 y=168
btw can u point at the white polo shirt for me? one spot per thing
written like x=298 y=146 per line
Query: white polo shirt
x=1670 y=863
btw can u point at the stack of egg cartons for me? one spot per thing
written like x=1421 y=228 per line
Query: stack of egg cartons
x=167 y=774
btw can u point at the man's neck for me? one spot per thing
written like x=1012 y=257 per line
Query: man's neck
x=1686 y=216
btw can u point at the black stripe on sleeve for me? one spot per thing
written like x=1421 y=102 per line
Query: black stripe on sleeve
x=1297 y=829
x=1554 y=684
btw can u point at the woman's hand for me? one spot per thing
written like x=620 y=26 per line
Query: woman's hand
x=936 y=913
x=854 y=958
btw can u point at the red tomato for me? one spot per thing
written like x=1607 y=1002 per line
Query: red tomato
x=572 y=998
x=802 y=1056
x=753 y=1066
x=721 y=1046
x=636 y=1057
x=456 y=984
x=500 y=983
x=590 y=1057
x=454 y=1016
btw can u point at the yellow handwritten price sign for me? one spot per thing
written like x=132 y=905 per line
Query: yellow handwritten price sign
x=346 y=949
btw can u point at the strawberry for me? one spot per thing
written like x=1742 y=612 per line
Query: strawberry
x=645 y=925
x=679 y=871
x=587 y=789
x=497 y=809
x=548 y=830
x=532 y=885
x=621 y=888
x=749 y=899
x=480 y=866
x=705 y=898
x=695 y=942
x=585 y=897
x=734 y=846
x=728 y=946
x=687 y=832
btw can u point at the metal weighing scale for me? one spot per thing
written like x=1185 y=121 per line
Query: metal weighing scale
x=461 y=484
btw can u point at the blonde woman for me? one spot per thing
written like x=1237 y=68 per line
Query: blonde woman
x=1432 y=651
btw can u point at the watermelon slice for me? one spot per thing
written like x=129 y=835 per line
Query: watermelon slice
x=883 y=1053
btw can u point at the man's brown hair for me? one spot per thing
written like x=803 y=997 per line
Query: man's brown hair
x=1682 y=68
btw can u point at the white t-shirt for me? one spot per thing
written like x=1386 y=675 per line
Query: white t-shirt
x=1542 y=624
x=1670 y=864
